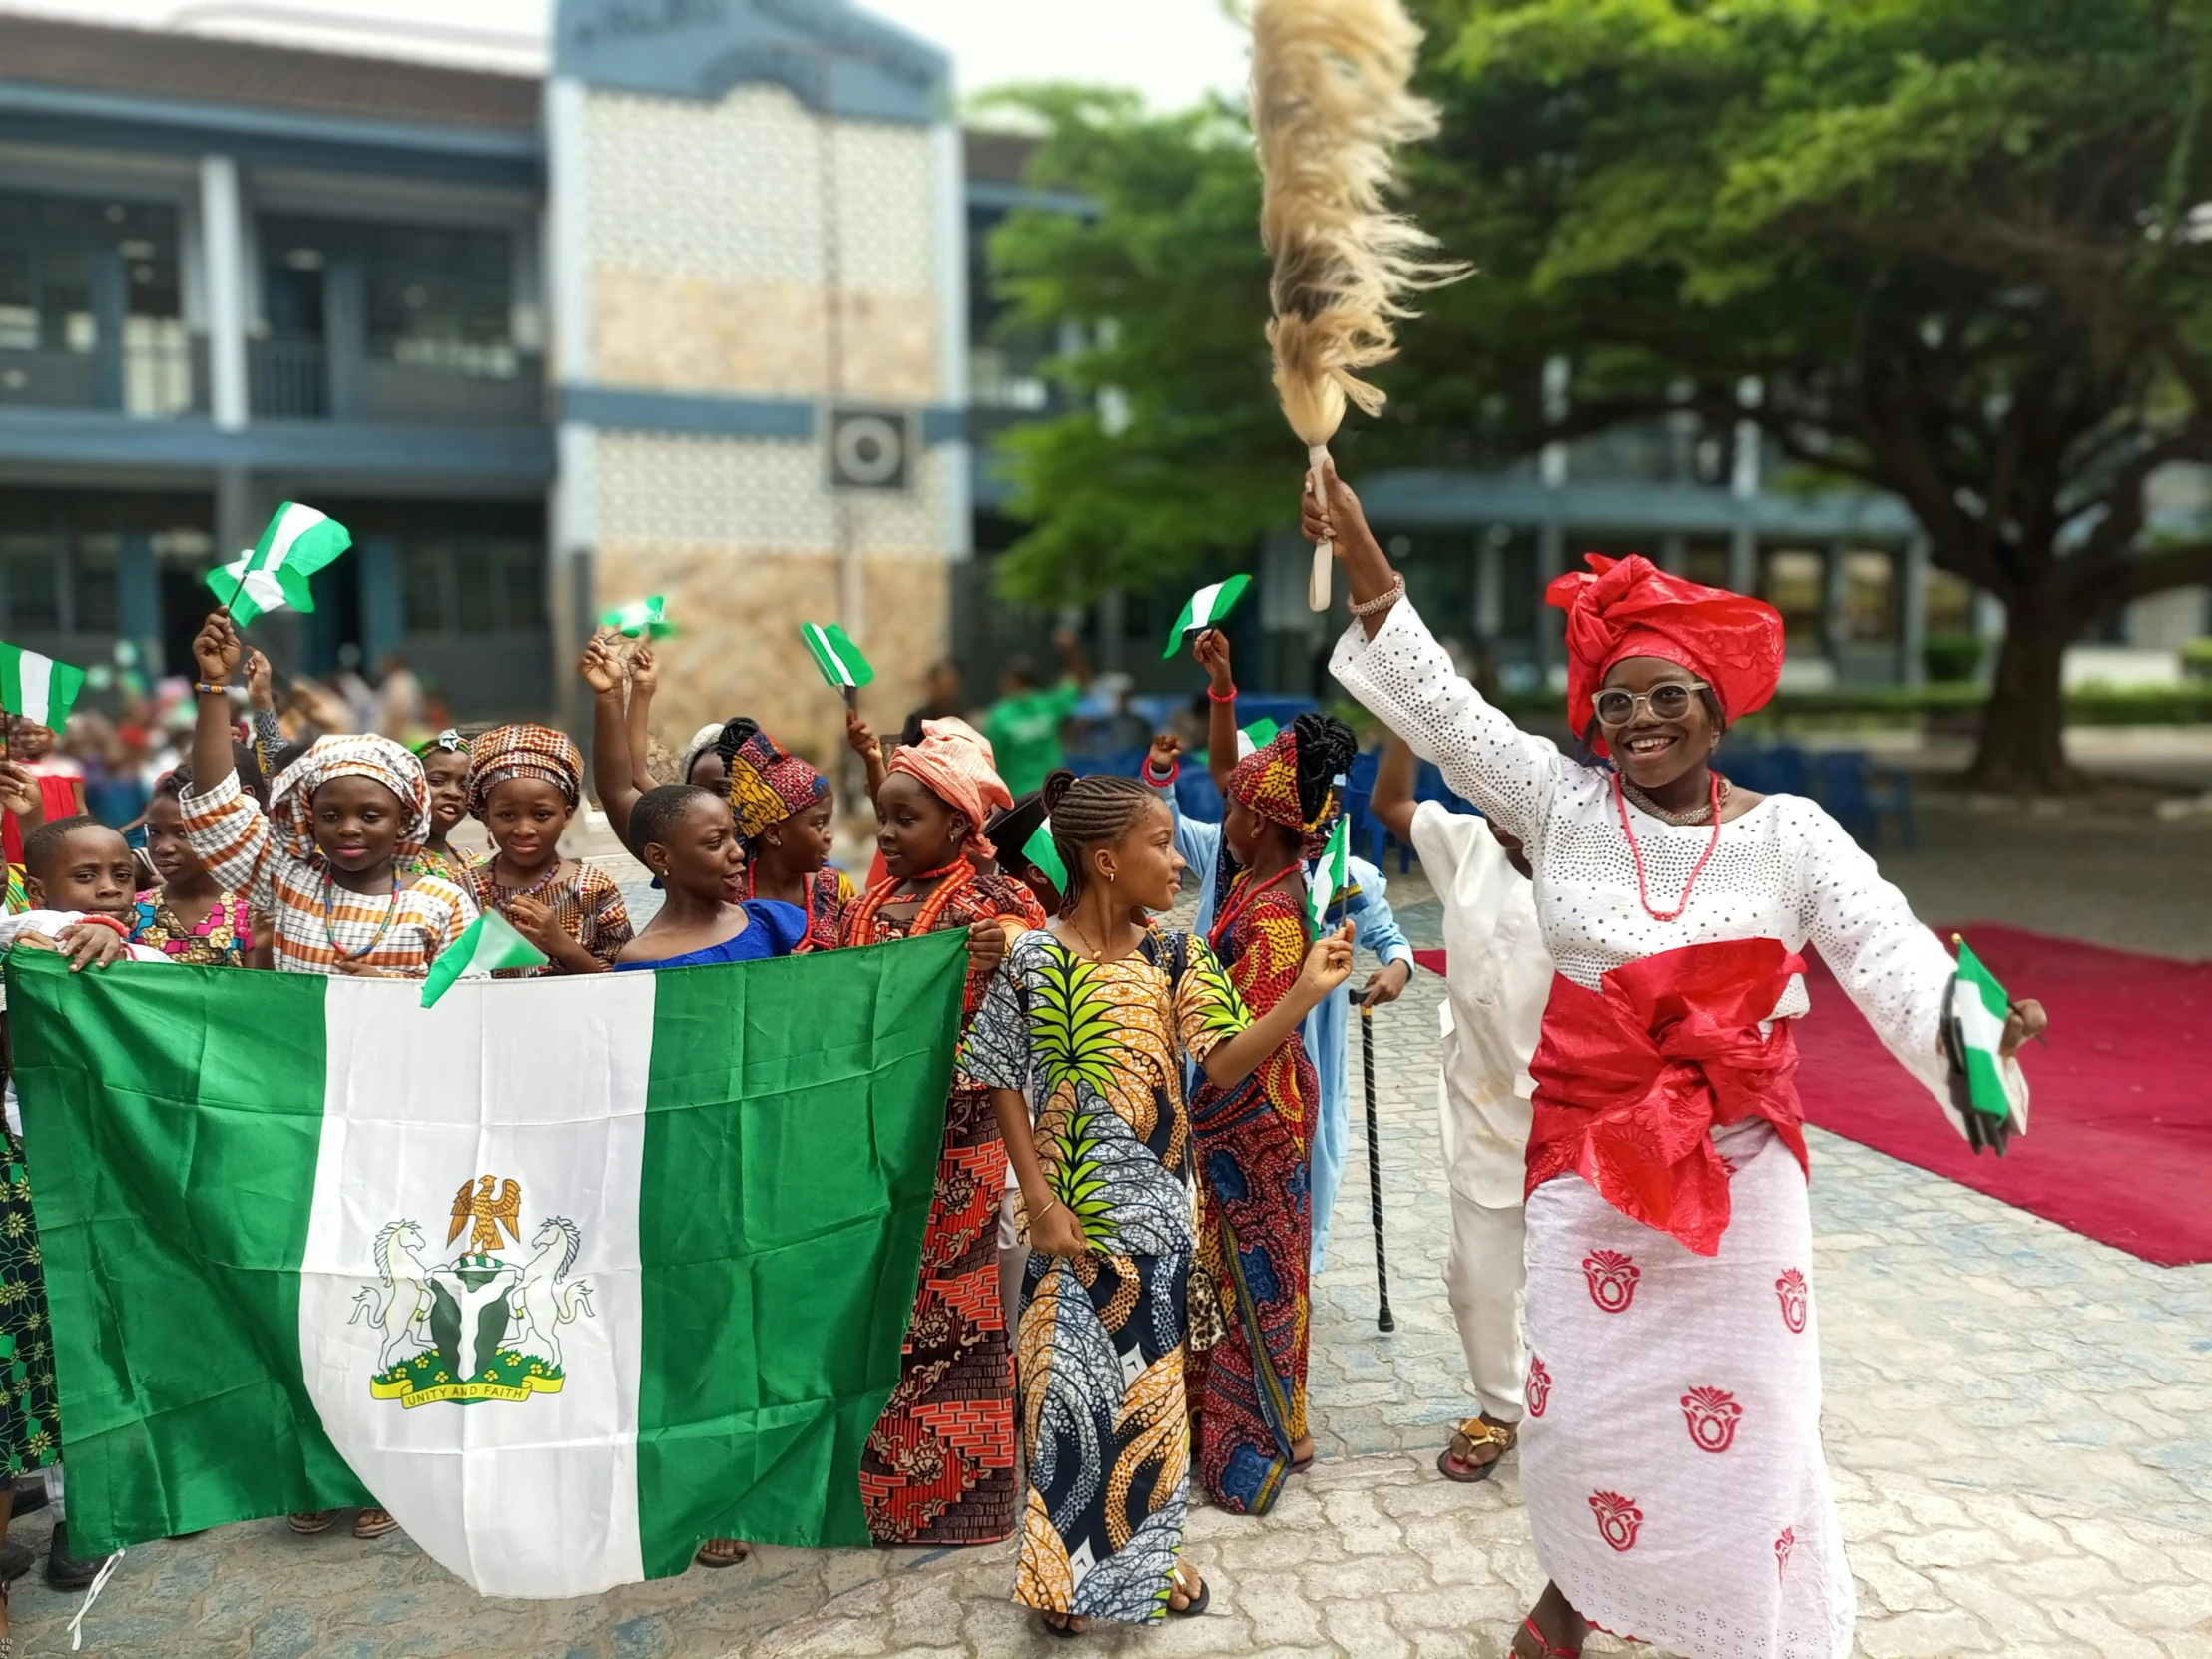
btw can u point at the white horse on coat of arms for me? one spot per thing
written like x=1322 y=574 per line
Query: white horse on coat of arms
x=406 y=1301
x=540 y=1300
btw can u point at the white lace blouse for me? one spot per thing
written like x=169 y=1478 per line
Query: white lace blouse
x=1785 y=870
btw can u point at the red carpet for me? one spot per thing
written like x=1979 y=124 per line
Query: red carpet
x=2119 y=1142
x=2119 y=1146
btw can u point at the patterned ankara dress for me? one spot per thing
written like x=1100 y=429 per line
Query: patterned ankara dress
x=1100 y=1046
x=586 y=902
x=939 y=1465
x=1671 y=1456
x=827 y=895
x=30 y=1405
x=221 y=940
x=1254 y=1251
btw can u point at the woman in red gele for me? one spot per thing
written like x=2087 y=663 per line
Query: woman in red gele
x=1671 y=1454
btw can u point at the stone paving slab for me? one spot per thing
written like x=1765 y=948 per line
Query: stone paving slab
x=2014 y=1420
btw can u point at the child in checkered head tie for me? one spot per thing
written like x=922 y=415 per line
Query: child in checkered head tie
x=524 y=782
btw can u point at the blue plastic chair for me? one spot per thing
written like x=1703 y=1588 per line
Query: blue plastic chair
x=1891 y=793
x=1195 y=795
x=1840 y=775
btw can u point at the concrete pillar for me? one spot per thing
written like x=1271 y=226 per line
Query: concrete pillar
x=137 y=600
x=1913 y=612
x=110 y=294
x=1674 y=552
x=1559 y=400
x=223 y=244
x=1551 y=561
x=1834 y=604
x=383 y=618
x=1489 y=583
x=955 y=479
x=237 y=528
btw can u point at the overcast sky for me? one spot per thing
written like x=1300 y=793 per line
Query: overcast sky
x=1172 y=51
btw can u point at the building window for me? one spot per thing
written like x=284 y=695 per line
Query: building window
x=474 y=585
x=1707 y=562
x=1794 y=582
x=92 y=580
x=440 y=298
x=1950 y=603
x=29 y=563
x=1870 y=598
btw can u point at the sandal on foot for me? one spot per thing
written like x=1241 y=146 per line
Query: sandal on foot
x=1065 y=1630
x=1544 y=1649
x=1196 y=1604
x=1478 y=1433
x=310 y=1522
x=744 y=1554
x=374 y=1523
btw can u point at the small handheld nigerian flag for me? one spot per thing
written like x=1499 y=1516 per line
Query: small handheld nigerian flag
x=1206 y=609
x=1974 y=1037
x=1040 y=851
x=37 y=686
x=837 y=656
x=489 y=944
x=1332 y=872
x=299 y=542
x=646 y=618
x=1255 y=736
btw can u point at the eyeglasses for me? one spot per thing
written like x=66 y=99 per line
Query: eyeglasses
x=1670 y=701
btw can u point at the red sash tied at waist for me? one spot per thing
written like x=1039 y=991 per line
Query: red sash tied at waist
x=1632 y=1077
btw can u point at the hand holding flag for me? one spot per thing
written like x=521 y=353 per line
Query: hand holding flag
x=1204 y=609
x=1331 y=873
x=489 y=945
x=1983 y=1029
x=640 y=619
x=274 y=576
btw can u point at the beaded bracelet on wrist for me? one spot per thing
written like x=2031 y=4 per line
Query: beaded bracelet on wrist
x=1382 y=601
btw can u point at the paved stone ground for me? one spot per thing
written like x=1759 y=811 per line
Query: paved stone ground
x=2008 y=1410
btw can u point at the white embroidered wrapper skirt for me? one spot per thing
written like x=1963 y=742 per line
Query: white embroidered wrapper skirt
x=1671 y=1452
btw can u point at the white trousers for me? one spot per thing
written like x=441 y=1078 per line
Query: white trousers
x=1485 y=1275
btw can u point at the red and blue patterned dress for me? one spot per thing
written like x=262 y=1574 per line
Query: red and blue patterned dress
x=1248 y=1391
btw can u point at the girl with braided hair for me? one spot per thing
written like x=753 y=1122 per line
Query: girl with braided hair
x=1248 y=1392
x=1093 y=1017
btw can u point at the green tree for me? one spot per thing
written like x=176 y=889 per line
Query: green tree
x=1964 y=247
x=1153 y=473
x=1961 y=245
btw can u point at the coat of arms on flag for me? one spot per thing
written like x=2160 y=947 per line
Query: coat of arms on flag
x=483 y=1326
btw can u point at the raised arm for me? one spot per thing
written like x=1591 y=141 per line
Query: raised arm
x=1393 y=803
x=612 y=772
x=223 y=825
x=1211 y=648
x=1197 y=843
x=1394 y=665
x=859 y=737
x=637 y=729
x=1328 y=964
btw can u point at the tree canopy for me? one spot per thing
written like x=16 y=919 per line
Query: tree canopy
x=1964 y=247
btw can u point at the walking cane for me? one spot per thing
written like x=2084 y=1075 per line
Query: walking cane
x=1383 y=1319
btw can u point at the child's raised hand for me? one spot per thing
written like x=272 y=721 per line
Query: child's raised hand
x=859 y=737
x=645 y=669
x=600 y=670
x=19 y=790
x=1211 y=648
x=1166 y=750
x=258 y=676
x=216 y=649
x=1329 y=962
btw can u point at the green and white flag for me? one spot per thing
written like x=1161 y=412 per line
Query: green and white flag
x=1251 y=739
x=646 y=617
x=1205 y=610
x=1331 y=873
x=1040 y=851
x=37 y=686
x=837 y=656
x=1979 y=1007
x=489 y=945
x=569 y=1274
x=299 y=542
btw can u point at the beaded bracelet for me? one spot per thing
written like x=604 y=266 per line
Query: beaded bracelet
x=1175 y=771
x=209 y=689
x=1230 y=696
x=1382 y=601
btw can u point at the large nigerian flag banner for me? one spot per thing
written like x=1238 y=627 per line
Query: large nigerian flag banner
x=567 y=1274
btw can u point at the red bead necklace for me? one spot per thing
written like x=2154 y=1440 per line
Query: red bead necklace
x=955 y=878
x=1643 y=895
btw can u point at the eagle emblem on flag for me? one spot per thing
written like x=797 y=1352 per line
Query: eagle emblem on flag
x=483 y=1326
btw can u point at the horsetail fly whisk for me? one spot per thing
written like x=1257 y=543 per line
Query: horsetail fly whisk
x=1330 y=100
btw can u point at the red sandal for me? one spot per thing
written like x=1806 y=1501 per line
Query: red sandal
x=1544 y=1649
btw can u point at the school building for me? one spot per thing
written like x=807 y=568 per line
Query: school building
x=702 y=311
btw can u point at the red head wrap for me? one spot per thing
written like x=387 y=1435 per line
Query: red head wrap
x=1266 y=780
x=955 y=763
x=1631 y=608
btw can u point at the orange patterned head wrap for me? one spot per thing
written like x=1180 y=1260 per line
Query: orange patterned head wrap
x=524 y=751
x=955 y=763
x=1267 y=779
